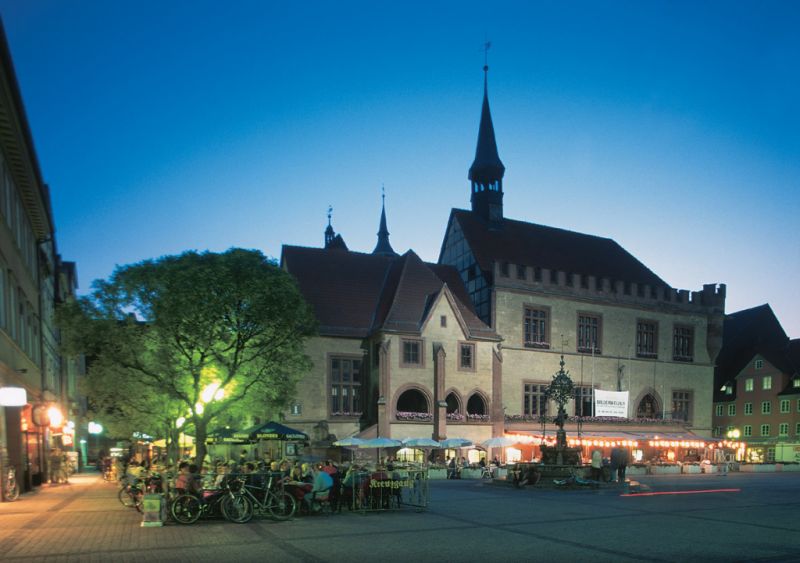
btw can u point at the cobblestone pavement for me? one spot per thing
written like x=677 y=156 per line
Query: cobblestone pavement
x=754 y=520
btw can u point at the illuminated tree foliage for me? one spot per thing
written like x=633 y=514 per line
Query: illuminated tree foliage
x=199 y=333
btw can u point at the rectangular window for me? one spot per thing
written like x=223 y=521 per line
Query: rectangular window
x=412 y=353
x=345 y=377
x=748 y=408
x=534 y=399
x=589 y=333
x=520 y=272
x=766 y=407
x=766 y=382
x=716 y=431
x=504 y=269
x=748 y=384
x=748 y=430
x=797 y=429
x=296 y=409
x=796 y=383
x=785 y=405
x=719 y=410
x=732 y=410
x=646 y=339
x=681 y=405
x=536 y=328
x=583 y=400
x=683 y=344
x=783 y=429
x=759 y=364
x=466 y=356
x=443 y=320
x=765 y=429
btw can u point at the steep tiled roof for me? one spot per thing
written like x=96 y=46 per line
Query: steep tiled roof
x=535 y=245
x=354 y=294
x=745 y=334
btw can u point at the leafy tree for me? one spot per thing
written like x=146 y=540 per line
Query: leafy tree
x=198 y=333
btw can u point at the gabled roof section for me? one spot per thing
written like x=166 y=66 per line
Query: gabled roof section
x=748 y=333
x=342 y=287
x=354 y=294
x=530 y=244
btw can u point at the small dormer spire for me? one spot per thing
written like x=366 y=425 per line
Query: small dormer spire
x=329 y=234
x=383 y=247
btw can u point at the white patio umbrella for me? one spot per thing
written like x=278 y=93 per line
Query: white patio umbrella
x=421 y=443
x=502 y=442
x=380 y=443
x=454 y=443
x=352 y=441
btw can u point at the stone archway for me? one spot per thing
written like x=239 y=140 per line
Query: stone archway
x=648 y=406
x=453 y=403
x=413 y=400
x=477 y=404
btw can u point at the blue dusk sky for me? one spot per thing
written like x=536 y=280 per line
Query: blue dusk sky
x=671 y=127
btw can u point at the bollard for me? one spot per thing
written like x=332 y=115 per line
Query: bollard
x=153 y=510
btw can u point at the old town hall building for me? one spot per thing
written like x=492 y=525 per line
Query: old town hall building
x=467 y=346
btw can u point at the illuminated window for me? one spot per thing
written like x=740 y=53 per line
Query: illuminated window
x=748 y=384
x=766 y=383
x=732 y=410
x=759 y=364
x=766 y=407
x=296 y=409
x=536 y=328
x=719 y=410
x=747 y=430
x=765 y=429
x=748 y=408
x=783 y=429
x=412 y=353
x=785 y=405
x=534 y=399
x=466 y=356
x=796 y=383
x=647 y=339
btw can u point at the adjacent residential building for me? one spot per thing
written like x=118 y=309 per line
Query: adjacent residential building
x=38 y=389
x=483 y=331
x=757 y=391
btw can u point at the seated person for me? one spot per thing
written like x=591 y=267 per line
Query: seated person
x=319 y=491
x=187 y=481
x=306 y=475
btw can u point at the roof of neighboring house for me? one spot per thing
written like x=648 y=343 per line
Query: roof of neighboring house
x=529 y=244
x=355 y=294
x=748 y=333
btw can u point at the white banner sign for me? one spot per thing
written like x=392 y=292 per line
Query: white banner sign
x=611 y=403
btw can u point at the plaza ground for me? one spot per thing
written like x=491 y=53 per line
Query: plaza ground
x=466 y=521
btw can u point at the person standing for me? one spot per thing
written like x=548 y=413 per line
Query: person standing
x=597 y=465
x=614 y=465
x=622 y=464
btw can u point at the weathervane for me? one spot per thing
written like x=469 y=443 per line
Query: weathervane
x=486 y=47
x=330 y=212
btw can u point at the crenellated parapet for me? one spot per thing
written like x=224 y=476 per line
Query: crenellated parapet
x=709 y=300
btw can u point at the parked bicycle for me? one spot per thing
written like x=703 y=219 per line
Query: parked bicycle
x=188 y=508
x=131 y=494
x=10 y=485
x=263 y=500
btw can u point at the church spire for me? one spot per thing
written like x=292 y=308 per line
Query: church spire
x=383 y=248
x=486 y=172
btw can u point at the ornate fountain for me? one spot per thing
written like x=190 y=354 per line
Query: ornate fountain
x=561 y=391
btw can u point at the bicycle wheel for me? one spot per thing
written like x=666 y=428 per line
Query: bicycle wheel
x=282 y=506
x=126 y=498
x=138 y=499
x=237 y=508
x=186 y=509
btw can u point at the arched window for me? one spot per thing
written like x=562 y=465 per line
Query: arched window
x=412 y=400
x=453 y=404
x=648 y=407
x=476 y=404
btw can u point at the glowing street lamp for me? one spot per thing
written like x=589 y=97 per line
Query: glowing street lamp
x=55 y=416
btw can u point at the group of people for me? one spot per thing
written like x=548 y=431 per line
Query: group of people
x=617 y=464
x=456 y=466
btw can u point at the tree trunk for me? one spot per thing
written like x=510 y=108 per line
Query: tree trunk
x=201 y=432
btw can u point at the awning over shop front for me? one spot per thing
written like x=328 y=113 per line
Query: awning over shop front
x=612 y=438
x=271 y=431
